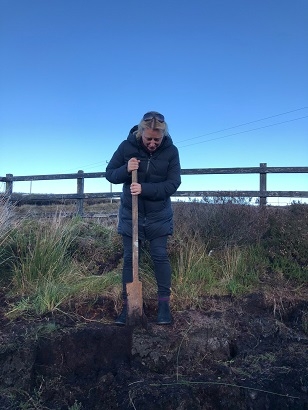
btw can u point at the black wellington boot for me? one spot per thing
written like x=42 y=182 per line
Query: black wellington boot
x=164 y=315
x=121 y=319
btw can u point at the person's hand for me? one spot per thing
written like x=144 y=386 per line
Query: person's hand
x=133 y=164
x=135 y=188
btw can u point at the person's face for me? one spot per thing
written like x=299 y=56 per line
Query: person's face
x=152 y=139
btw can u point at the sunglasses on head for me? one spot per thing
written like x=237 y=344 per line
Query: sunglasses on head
x=151 y=115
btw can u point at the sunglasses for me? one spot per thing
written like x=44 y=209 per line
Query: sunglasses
x=151 y=115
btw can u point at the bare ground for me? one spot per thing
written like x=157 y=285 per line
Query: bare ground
x=233 y=353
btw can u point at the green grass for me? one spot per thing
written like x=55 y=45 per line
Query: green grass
x=45 y=273
x=232 y=270
x=48 y=263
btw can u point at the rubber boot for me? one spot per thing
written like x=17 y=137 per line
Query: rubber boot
x=164 y=315
x=121 y=319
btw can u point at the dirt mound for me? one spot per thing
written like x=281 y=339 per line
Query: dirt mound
x=245 y=353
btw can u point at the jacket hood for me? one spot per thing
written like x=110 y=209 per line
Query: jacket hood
x=135 y=128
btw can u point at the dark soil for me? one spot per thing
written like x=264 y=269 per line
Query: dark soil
x=233 y=353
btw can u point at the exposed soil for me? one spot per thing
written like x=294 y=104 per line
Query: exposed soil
x=234 y=353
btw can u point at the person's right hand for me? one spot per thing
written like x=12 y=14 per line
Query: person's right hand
x=133 y=164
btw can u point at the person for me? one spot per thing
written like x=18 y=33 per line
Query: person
x=149 y=150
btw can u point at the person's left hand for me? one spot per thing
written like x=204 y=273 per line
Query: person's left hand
x=135 y=188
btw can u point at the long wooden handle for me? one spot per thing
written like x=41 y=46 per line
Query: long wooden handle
x=135 y=229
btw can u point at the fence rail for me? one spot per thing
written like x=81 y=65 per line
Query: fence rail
x=80 y=176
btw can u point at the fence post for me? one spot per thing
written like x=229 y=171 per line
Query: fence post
x=80 y=191
x=9 y=185
x=263 y=166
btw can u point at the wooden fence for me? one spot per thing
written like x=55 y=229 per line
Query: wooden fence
x=80 y=196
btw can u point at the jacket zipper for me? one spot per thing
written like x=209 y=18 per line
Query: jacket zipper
x=146 y=172
x=148 y=164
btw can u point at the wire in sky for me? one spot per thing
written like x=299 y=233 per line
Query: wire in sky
x=241 y=125
x=242 y=132
x=86 y=166
x=224 y=136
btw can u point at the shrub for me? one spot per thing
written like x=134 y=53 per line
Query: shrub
x=221 y=225
x=97 y=246
x=286 y=241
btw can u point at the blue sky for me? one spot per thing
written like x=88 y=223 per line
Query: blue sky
x=229 y=76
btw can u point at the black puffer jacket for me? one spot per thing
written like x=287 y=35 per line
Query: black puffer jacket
x=159 y=174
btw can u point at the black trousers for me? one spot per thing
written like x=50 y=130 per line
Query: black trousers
x=162 y=268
